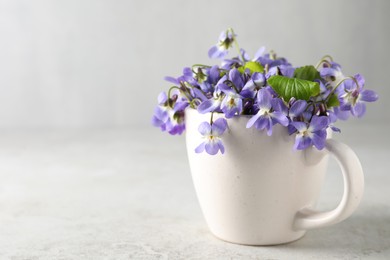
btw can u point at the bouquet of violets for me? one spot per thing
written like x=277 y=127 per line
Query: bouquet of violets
x=307 y=100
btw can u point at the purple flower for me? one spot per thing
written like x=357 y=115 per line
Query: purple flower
x=270 y=60
x=267 y=116
x=211 y=105
x=208 y=84
x=168 y=118
x=188 y=76
x=253 y=85
x=232 y=103
x=225 y=41
x=311 y=134
x=353 y=97
x=331 y=72
x=214 y=75
x=297 y=107
x=236 y=78
x=343 y=115
x=212 y=133
x=237 y=87
x=332 y=119
x=284 y=70
x=227 y=64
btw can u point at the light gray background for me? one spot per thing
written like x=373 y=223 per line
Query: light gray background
x=83 y=175
x=101 y=63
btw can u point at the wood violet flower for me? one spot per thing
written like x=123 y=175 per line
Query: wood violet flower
x=267 y=116
x=212 y=133
x=353 y=97
x=310 y=134
x=268 y=90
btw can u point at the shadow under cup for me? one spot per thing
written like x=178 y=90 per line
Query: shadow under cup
x=254 y=192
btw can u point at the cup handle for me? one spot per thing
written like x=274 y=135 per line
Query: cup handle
x=353 y=190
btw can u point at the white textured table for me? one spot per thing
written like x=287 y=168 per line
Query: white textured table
x=127 y=194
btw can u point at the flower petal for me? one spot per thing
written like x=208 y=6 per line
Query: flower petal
x=208 y=106
x=302 y=142
x=269 y=126
x=359 y=109
x=219 y=126
x=297 y=108
x=249 y=85
x=318 y=123
x=368 y=95
x=199 y=94
x=262 y=123
x=247 y=93
x=264 y=99
x=177 y=129
x=343 y=115
x=200 y=148
x=271 y=72
x=291 y=129
x=216 y=53
x=235 y=77
x=327 y=72
x=172 y=80
x=244 y=55
x=280 y=118
x=258 y=78
x=161 y=114
x=360 y=79
x=221 y=147
x=162 y=98
x=213 y=52
x=300 y=126
x=180 y=106
x=335 y=129
x=319 y=139
x=287 y=71
x=253 y=120
x=187 y=71
x=279 y=105
x=214 y=74
x=212 y=148
x=156 y=121
x=225 y=88
x=271 y=91
x=204 y=128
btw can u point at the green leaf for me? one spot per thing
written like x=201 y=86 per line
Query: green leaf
x=253 y=66
x=293 y=87
x=333 y=101
x=307 y=73
x=241 y=69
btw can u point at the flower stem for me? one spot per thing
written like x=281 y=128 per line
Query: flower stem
x=199 y=66
x=326 y=59
x=193 y=102
x=339 y=83
x=180 y=90
x=211 y=118
x=236 y=44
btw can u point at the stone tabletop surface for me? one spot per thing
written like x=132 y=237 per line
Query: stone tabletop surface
x=127 y=194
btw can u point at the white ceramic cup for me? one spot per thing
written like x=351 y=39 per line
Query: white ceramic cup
x=262 y=191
